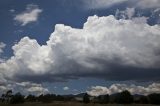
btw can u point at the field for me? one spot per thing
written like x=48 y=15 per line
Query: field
x=72 y=104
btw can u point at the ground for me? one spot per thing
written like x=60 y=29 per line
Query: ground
x=71 y=104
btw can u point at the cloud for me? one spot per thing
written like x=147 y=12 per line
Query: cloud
x=155 y=15
x=115 y=88
x=65 y=88
x=2 y=45
x=24 y=88
x=33 y=88
x=126 y=14
x=101 y=4
x=148 y=4
x=104 y=48
x=30 y=15
x=12 y=10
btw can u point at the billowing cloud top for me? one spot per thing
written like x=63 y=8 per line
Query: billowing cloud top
x=105 y=47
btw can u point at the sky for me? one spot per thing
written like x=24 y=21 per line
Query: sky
x=74 y=46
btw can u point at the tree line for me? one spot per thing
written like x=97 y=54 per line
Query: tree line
x=123 y=97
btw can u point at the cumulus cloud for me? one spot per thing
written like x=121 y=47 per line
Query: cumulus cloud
x=105 y=47
x=24 y=87
x=65 y=88
x=116 y=88
x=30 y=15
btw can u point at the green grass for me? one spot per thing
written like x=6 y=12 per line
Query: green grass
x=71 y=104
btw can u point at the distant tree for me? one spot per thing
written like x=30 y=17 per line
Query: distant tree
x=154 y=98
x=3 y=97
x=17 y=98
x=143 y=100
x=86 y=98
x=124 y=97
x=7 y=96
x=40 y=98
x=31 y=98
x=59 y=98
x=103 y=99
x=68 y=98
x=47 y=98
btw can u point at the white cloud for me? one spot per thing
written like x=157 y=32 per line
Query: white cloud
x=12 y=10
x=65 y=88
x=30 y=15
x=101 y=43
x=115 y=88
x=39 y=90
x=33 y=88
x=24 y=88
x=130 y=12
x=99 y=4
x=148 y=4
x=156 y=15
x=126 y=14
x=2 y=45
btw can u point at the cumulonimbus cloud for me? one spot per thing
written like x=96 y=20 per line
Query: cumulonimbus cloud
x=105 y=47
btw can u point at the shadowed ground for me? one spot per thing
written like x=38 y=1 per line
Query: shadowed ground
x=72 y=104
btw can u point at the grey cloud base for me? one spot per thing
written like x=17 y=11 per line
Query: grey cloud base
x=105 y=48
